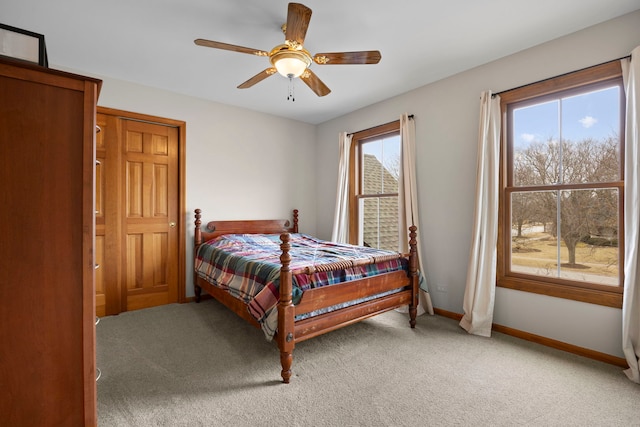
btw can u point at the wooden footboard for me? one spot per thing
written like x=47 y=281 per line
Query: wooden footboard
x=291 y=331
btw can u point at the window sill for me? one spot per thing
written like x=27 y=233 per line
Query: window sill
x=591 y=296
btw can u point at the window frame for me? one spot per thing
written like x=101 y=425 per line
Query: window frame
x=355 y=166
x=610 y=72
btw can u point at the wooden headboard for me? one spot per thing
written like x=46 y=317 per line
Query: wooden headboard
x=259 y=226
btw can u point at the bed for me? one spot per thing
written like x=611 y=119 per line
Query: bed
x=279 y=284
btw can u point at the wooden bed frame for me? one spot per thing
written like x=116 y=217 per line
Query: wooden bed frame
x=290 y=331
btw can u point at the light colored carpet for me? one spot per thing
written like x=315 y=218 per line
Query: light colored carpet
x=201 y=365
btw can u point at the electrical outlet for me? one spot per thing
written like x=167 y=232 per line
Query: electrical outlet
x=441 y=288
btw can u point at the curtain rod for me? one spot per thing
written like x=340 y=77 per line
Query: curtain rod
x=560 y=75
x=373 y=127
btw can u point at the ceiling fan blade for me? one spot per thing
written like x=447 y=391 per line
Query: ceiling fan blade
x=258 y=78
x=298 y=17
x=231 y=47
x=316 y=85
x=335 y=58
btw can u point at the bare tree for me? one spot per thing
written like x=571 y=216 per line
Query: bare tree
x=392 y=165
x=583 y=212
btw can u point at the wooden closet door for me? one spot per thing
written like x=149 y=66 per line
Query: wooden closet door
x=108 y=196
x=150 y=255
x=99 y=244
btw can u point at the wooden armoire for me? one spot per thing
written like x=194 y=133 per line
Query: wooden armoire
x=47 y=267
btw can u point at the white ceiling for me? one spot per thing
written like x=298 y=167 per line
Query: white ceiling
x=150 y=42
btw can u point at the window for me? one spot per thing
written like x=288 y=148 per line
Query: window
x=561 y=230
x=374 y=170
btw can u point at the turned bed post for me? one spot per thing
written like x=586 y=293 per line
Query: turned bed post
x=197 y=241
x=198 y=232
x=295 y=220
x=413 y=273
x=285 y=337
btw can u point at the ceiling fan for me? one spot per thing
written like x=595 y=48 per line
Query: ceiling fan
x=291 y=59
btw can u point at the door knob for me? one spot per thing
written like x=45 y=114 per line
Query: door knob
x=172 y=224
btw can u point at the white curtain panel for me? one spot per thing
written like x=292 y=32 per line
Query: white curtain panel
x=479 y=293
x=631 y=296
x=408 y=197
x=340 y=233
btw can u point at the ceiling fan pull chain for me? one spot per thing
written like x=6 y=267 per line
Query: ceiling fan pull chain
x=291 y=96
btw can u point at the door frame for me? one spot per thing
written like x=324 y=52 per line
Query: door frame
x=182 y=132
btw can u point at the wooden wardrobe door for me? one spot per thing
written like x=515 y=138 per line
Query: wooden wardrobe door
x=47 y=315
x=150 y=202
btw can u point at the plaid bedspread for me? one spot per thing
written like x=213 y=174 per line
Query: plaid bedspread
x=248 y=267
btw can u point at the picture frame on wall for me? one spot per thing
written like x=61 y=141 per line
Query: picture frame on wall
x=23 y=45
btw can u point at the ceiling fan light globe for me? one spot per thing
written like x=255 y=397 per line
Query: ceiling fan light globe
x=290 y=67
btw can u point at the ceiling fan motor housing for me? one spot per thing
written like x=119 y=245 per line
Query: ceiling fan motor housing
x=290 y=61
